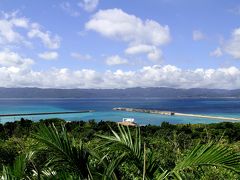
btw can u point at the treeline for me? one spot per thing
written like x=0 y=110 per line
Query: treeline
x=167 y=144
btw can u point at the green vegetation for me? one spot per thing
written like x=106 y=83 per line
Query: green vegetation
x=55 y=149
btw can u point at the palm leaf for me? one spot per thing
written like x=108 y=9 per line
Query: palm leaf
x=63 y=151
x=208 y=155
x=132 y=150
x=125 y=141
x=19 y=168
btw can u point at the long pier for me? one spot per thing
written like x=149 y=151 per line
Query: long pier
x=45 y=113
x=170 y=113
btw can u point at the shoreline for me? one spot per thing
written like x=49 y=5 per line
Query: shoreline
x=208 y=117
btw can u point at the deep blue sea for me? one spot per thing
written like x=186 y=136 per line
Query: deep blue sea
x=227 y=107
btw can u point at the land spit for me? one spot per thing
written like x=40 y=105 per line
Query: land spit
x=46 y=113
x=170 y=113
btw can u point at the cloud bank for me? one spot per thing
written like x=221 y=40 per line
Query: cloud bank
x=16 y=71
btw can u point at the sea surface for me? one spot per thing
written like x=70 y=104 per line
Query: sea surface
x=226 y=107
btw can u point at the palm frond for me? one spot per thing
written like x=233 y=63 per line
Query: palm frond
x=125 y=141
x=132 y=150
x=209 y=155
x=161 y=176
x=19 y=168
x=63 y=151
x=112 y=166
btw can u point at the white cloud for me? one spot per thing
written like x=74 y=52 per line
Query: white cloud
x=48 y=55
x=153 y=53
x=16 y=30
x=115 y=23
x=142 y=48
x=116 y=60
x=51 y=42
x=148 y=76
x=232 y=47
x=79 y=56
x=140 y=35
x=217 y=52
x=12 y=59
x=9 y=24
x=66 y=6
x=89 y=5
x=20 y=22
x=198 y=35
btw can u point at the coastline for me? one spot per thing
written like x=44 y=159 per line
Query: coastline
x=208 y=117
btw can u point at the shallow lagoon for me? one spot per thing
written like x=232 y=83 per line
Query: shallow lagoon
x=226 y=107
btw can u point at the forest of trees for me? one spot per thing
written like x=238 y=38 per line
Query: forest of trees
x=56 y=149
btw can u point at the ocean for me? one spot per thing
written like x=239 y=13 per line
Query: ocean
x=226 y=107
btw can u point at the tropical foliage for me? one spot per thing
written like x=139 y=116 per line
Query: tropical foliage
x=55 y=149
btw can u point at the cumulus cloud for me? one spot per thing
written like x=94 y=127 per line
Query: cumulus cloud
x=116 y=60
x=82 y=57
x=115 y=23
x=51 y=55
x=141 y=36
x=148 y=76
x=9 y=59
x=89 y=5
x=232 y=47
x=198 y=35
x=9 y=24
x=153 y=53
x=16 y=30
x=49 y=41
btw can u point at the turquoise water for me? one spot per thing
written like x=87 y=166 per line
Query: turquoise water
x=103 y=107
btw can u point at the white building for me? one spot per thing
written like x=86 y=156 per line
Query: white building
x=128 y=120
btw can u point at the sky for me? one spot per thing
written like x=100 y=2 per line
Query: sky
x=120 y=43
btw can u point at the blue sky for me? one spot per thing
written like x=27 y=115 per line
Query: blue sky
x=120 y=44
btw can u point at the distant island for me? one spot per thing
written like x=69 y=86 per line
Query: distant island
x=158 y=92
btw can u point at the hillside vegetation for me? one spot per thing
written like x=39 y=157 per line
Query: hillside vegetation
x=56 y=149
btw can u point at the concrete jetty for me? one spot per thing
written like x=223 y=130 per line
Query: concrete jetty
x=45 y=113
x=170 y=113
